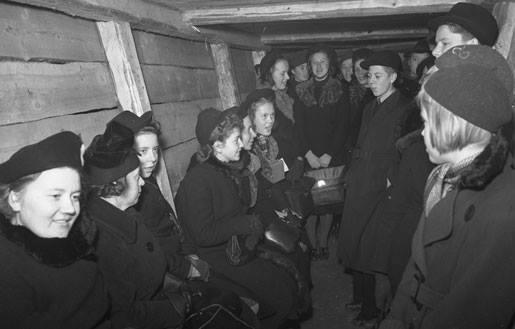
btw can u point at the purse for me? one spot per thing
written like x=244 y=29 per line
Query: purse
x=329 y=188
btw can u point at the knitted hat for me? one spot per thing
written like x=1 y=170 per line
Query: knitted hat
x=132 y=121
x=383 y=58
x=479 y=55
x=475 y=19
x=207 y=121
x=59 y=150
x=297 y=58
x=110 y=155
x=473 y=93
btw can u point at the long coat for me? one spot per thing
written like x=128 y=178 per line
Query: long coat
x=209 y=208
x=134 y=267
x=462 y=266
x=47 y=283
x=366 y=179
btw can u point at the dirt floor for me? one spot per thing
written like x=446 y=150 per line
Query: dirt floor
x=332 y=290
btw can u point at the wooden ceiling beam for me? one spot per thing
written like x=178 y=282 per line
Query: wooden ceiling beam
x=307 y=10
x=344 y=36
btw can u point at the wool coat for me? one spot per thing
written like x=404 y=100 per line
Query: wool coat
x=462 y=265
x=210 y=210
x=134 y=267
x=366 y=179
x=49 y=283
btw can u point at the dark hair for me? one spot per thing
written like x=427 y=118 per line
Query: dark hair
x=153 y=127
x=220 y=133
x=362 y=53
x=114 y=188
x=267 y=65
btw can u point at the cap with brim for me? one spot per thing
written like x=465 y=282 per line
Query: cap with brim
x=132 y=121
x=59 y=150
x=473 y=18
x=383 y=58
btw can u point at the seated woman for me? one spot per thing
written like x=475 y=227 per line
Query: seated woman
x=211 y=212
x=49 y=276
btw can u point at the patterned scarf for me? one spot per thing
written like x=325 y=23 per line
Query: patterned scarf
x=266 y=148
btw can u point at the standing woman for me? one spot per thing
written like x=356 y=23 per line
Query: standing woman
x=322 y=118
x=461 y=270
x=211 y=212
x=49 y=277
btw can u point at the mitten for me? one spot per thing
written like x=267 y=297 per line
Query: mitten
x=325 y=160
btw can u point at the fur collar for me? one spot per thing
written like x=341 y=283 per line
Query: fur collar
x=55 y=252
x=331 y=92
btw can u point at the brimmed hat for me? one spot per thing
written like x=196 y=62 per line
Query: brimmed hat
x=59 y=150
x=479 y=55
x=207 y=121
x=473 y=18
x=473 y=93
x=132 y=121
x=383 y=58
x=110 y=155
x=297 y=58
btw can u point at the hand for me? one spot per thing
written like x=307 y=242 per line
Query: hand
x=383 y=291
x=313 y=160
x=199 y=269
x=325 y=160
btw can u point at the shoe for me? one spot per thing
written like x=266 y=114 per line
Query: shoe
x=353 y=306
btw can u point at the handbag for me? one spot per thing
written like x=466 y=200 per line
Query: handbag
x=329 y=188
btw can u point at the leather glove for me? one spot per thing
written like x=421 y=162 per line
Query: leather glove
x=296 y=170
x=313 y=160
x=383 y=292
x=199 y=269
x=325 y=160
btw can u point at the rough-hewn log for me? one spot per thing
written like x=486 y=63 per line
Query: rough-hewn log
x=130 y=86
x=343 y=36
x=33 y=91
x=227 y=86
x=504 y=13
x=232 y=38
x=307 y=10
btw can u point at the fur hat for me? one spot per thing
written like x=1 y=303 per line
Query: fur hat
x=475 y=19
x=132 y=121
x=207 y=121
x=110 y=155
x=383 y=58
x=59 y=150
x=473 y=93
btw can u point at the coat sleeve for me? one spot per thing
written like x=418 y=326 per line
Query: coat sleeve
x=196 y=212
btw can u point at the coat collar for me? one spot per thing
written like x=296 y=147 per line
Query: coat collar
x=116 y=220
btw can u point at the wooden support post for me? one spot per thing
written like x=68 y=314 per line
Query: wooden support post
x=227 y=86
x=504 y=13
x=130 y=87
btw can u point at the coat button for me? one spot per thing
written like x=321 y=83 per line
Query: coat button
x=470 y=213
x=150 y=246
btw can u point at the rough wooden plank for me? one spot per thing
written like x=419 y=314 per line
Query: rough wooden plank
x=163 y=50
x=167 y=84
x=243 y=70
x=504 y=13
x=178 y=120
x=120 y=49
x=88 y=125
x=232 y=37
x=227 y=85
x=32 y=91
x=30 y=33
x=307 y=10
x=177 y=159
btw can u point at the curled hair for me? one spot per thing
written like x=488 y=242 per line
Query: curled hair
x=16 y=186
x=114 y=188
x=221 y=132
x=447 y=131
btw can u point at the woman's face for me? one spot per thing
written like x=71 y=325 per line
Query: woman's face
x=280 y=74
x=434 y=155
x=147 y=147
x=379 y=80
x=319 y=65
x=346 y=69
x=229 y=150
x=49 y=205
x=264 y=119
x=361 y=73
x=446 y=39
x=130 y=195
x=247 y=134
x=300 y=72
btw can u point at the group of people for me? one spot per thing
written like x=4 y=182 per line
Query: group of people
x=89 y=241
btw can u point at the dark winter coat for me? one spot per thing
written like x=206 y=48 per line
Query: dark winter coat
x=159 y=218
x=210 y=211
x=375 y=154
x=322 y=118
x=50 y=283
x=134 y=267
x=461 y=270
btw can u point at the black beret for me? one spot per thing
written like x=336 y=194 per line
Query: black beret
x=207 y=121
x=132 y=121
x=59 y=150
x=268 y=61
x=110 y=155
x=383 y=58
x=475 y=19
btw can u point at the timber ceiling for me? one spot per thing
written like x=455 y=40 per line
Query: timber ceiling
x=394 y=24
